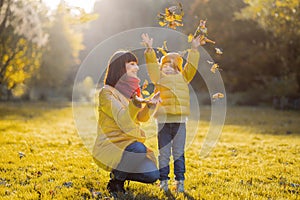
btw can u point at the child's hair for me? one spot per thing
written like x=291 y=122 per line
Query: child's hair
x=177 y=60
x=117 y=66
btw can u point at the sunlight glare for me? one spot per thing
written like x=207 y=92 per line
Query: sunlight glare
x=87 y=5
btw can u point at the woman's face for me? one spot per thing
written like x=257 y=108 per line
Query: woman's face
x=131 y=69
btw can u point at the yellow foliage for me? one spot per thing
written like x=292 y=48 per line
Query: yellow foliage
x=5 y=58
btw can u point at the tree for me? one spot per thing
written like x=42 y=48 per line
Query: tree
x=281 y=20
x=21 y=38
x=62 y=52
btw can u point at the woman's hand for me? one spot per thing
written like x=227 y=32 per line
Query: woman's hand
x=151 y=103
x=154 y=100
x=137 y=101
x=147 y=40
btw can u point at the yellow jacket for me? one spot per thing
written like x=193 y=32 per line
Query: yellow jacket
x=174 y=90
x=118 y=127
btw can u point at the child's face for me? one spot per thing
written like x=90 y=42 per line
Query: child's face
x=168 y=68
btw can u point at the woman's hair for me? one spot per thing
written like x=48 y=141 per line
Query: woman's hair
x=117 y=66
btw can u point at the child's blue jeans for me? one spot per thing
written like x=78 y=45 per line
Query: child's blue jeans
x=171 y=137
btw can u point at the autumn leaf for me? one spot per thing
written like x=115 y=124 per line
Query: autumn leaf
x=145 y=84
x=218 y=96
x=145 y=92
x=219 y=51
x=170 y=17
x=190 y=37
x=214 y=68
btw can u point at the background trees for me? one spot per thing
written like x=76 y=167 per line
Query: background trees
x=260 y=40
x=21 y=39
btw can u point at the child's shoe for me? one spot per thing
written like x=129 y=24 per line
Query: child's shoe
x=180 y=186
x=164 y=185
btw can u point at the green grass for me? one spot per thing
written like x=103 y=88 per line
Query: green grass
x=257 y=157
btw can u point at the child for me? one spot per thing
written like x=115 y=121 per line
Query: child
x=172 y=81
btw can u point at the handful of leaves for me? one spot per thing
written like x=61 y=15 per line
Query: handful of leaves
x=202 y=32
x=170 y=18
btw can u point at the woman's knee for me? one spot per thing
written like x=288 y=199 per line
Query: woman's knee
x=137 y=147
x=153 y=176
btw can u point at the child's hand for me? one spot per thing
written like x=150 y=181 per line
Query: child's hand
x=196 y=42
x=147 y=40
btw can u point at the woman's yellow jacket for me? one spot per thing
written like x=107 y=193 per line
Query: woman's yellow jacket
x=118 y=127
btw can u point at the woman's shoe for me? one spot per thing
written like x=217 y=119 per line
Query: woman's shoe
x=115 y=186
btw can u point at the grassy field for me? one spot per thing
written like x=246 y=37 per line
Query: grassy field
x=43 y=157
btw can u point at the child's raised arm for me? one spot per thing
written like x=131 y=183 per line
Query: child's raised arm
x=151 y=60
x=191 y=65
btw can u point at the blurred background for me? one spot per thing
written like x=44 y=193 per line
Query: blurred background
x=43 y=43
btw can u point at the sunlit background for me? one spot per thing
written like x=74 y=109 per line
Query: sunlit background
x=46 y=41
x=87 y=5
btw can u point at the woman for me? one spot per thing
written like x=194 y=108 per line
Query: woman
x=119 y=146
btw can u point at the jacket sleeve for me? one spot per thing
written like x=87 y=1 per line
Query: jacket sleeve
x=152 y=65
x=124 y=116
x=191 y=66
x=144 y=114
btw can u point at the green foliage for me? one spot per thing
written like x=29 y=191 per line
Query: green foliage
x=256 y=157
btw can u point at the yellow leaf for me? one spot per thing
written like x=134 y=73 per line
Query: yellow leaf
x=178 y=17
x=162 y=23
x=145 y=92
x=219 y=51
x=165 y=45
x=5 y=58
x=190 y=37
x=214 y=68
x=218 y=95
x=145 y=84
x=170 y=18
x=162 y=51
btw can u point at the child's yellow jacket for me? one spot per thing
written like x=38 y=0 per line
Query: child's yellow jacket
x=118 y=127
x=173 y=89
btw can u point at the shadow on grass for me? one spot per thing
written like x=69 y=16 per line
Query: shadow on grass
x=29 y=110
x=146 y=196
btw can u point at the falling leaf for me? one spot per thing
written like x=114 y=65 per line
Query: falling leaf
x=202 y=33
x=190 y=37
x=170 y=18
x=210 y=62
x=219 y=51
x=174 y=24
x=214 y=68
x=145 y=84
x=209 y=40
x=162 y=51
x=164 y=48
x=218 y=95
x=162 y=23
x=165 y=45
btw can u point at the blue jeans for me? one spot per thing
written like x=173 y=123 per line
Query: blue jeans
x=171 y=136
x=135 y=166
